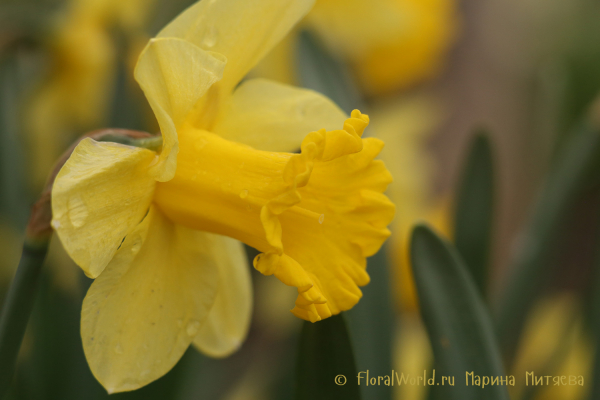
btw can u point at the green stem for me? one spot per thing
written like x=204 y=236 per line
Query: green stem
x=17 y=308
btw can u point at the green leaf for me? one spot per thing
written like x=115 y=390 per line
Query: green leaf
x=531 y=266
x=14 y=196
x=17 y=308
x=459 y=327
x=320 y=71
x=595 y=325
x=371 y=325
x=325 y=353
x=474 y=210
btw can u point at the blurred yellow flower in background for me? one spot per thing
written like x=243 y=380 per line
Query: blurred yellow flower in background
x=390 y=44
x=555 y=343
x=76 y=94
x=406 y=126
x=147 y=225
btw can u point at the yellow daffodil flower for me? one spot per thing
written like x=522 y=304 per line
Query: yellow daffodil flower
x=80 y=80
x=390 y=44
x=161 y=232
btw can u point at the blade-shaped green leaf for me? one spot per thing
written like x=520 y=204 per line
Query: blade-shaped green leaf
x=325 y=354
x=371 y=324
x=595 y=325
x=531 y=265
x=14 y=196
x=474 y=210
x=459 y=327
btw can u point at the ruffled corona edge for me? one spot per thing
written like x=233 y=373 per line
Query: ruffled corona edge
x=367 y=212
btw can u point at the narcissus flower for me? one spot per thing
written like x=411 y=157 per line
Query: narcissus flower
x=162 y=232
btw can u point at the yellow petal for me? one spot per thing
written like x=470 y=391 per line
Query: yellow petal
x=242 y=30
x=101 y=193
x=174 y=74
x=229 y=319
x=141 y=314
x=276 y=117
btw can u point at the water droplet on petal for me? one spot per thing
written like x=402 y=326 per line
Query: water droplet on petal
x=78 y=211
x=137 y=244
x=119 y=348
x=210 y=37
x=301 y=110
x=199 y=144
x=55 y=223
x=321 y=218
x=192 y=328
x=244 y=193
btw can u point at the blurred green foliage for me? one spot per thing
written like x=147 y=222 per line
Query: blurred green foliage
x=326 y=368
x=474 y=210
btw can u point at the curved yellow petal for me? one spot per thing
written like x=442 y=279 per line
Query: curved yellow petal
x=242 y=30
x=174 y=74
x=229 y=319
x=275 y=117
x=101 y=193
x=141 y=314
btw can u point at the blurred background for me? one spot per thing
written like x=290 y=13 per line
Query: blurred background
x=432 y=75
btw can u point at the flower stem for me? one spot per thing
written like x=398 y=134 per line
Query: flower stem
x=17 y=308
x=21 y=296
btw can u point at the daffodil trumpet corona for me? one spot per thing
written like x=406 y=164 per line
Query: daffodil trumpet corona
x=161 y=229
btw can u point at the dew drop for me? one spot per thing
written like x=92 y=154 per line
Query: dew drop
x=199 y=144
x=321 y=218
x=210 y=37
x=55 y=223
x=301 y=110
x=137 y=244
x=192 y=328
x=119 y=348
x=244 y=193
x=78 y=211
